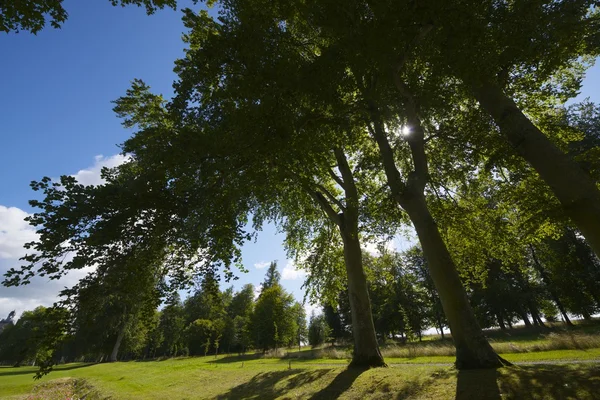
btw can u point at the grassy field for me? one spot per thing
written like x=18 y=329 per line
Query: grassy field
x=232 y=378
x=417 y=371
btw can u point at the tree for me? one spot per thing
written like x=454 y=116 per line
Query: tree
x=318 y=330
x=273 y=320
x=301 y=330
x=34 y=338
x=524 y=53
x=272 y=277
x=32 y=15
x=172 y=325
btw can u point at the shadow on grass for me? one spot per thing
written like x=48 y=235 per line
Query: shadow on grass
x=237 y=358
x=478 y=384
x=551 y=382
x=339 y=385
x=531 y=382
x=270 y=385
x=27 y=370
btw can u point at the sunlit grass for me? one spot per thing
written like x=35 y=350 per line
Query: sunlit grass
x=199 y=378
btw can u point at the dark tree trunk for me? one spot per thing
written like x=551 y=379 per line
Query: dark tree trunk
x=366 y=348
x=115 y=351
x=586 y=315
x=500 y=321
x=472 y=348
x=525 y=318
x=548 y=282
x=574 y=188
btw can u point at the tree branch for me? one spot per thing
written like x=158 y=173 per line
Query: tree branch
x=325 y=206
x=336 y=178
x=331 y=197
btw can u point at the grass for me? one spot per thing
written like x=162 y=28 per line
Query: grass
x=417 y=371
x=202 y=378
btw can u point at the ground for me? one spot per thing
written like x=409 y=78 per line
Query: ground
x=209 y=378
x=549 y=365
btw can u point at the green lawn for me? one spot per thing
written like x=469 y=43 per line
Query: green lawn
x=228 y=378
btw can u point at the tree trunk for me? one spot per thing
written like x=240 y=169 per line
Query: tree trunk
x=472 y=348
x=574 y=188
x=548 y=282
x=115 y=350
x=366 y=349
x=524 y=317
x=500 y=322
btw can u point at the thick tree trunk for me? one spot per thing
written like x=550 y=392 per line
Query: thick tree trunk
x=366 y=349
x=472 y=348
x=115 y=350
x=574 y=188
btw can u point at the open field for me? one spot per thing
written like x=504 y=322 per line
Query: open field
x=231 y=378
x=551 y=364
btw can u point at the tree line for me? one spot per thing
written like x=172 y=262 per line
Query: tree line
x=341 y=123
x=405 y=303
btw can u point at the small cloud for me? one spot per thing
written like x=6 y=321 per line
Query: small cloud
x=374 y=247
x=310 y=308
x=261 y=265
x=292 y=272
x=257 y=290
x=91 y=175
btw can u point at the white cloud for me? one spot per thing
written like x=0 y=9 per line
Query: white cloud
x=310 y=308
x=91 y=175
x=373 y=247
x=261 y=265
x=14 y=232
x=292 y=272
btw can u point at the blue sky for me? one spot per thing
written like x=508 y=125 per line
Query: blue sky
x=56 y=117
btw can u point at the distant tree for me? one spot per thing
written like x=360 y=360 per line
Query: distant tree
x=301 y=329
x=318 y=330
x=172 y=326
x=34 y=338
x=273 y=320
x=272 y=277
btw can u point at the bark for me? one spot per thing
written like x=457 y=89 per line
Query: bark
x=472 y=348
x=574 y=188
x=115 y=350
x=366 y=349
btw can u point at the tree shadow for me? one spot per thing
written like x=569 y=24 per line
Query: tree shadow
x=576 y=381
x=264 y=385
x=478 y=384
x=237 y=358
x=26 y=370
x=339 y=385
